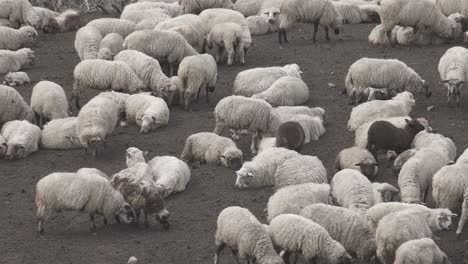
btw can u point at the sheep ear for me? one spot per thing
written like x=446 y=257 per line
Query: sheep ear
x=250 y=174
x=281 y=254
x=145 y=153
x=357 y=164
x=453 y=215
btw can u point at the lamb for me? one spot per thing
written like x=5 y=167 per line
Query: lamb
x=16 y=79
x=14 y=39
x=286 y=91
x=402 y=159
x=384 y=192
x=227 y=36
x=22 y=138
x=110 y=45
x=147 y=111
x=195 y=73
x=96 y=121
x=170 y=174
x=359 y=159
x=260 y=25
x=351 y=189
x=190 y=7
x=102 y=75
x=248 y=239
x=113 y=25
x=87 y=42
x=257 y=80
x=58 y=191
x=49 y=102
x=400 y=105
x=444 y=145
x=293 y=233
x=418 y=251
x=210 y=148
x=165 y=46
x=12 y=61
x=60 y=134
x=379 y=210
x=13 y=106
x=345 y=226
x=396 y=228
x=318 y=12
x=248 y=7
x=453 y=70
x=289 y=135
x=19 y=12
x=53 y=22
x=392 y=74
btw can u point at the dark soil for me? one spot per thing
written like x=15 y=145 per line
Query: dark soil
x=67 y=237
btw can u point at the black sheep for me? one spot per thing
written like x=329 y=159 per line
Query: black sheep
x=290 y=135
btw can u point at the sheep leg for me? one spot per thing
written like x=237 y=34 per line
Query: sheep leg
x=219 y=247
x=91 y=217
x=105 y=221
x=458 y=100
x=207 y=94
x=230 y=52
x=146 y=219
x=389 y=36
x=316 y=25
x=463 y=216
x=285 y=36
x=448 y=98
x=241 y=53
x=219 y=54
x=235 y=254
x=171 y=69
x=187 y=98
x=255 y=139
x=137 y=217
x=280 y=36
x=40 y=229
x=327 y=36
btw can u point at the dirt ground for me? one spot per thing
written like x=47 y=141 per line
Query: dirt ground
x=67 y=237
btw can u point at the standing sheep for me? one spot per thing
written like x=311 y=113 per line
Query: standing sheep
x=110 y=45
x=19 y=12
x=248 y=239
x=16 y=79
x=420 y=251
x=60 y=134
x=210 y=148
x=379 y=210
x=12 y=61
x=359 y=159
x=49 y=102
x=453 y=70
x=22 y=138
x=318 y=12
x=13 y=106
x=261 y=25
x=286 y=91
x=191 y=7
x=227 y=37
x=13 y=39
x=86 y=190
x=170 y=174
x=147 y=111
x=87 y=42
x=442 y=144
x=351 y=189
x=113 y=25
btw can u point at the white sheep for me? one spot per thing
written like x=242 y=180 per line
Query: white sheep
x=16 y=79
x=401 y=35
x=113 y=25
x=300 y=169
x=292 y=199
x=13 y=39
x=49 y=102
x=284 y=113
x=423 y=250
x=449 y=7
x=318 y=12
x=286 y=91
x=19 y=12
x=170 y=174
x=384 y=192
x=260 y=25
x=351 y=13
x=150 y=23
x=359 y=159
x=12 y=61
x=400 y=105
x=436 y=142
x=171 y=6
x=240 y=230
x=351 y=189
x=136 y=16
x=60 y=134
x=210 y=148
x=147 y=111
x=297 y=234
x=103 y=75
x=257 y=80
x=248 y=7
x=401 y=159
x=110 y=45
x=190 y=26
x=191 y=7
x=86 y=190
x=3 y=146
x=53 y=22
x=464 y=214
x=392 y=74
x=13 y=106
x=119 y=100
x=22 y=138
x=453 y=70
x=345 y=226
x=165 y=46
x=87 y=42
x=227 y=37
x=379 y=210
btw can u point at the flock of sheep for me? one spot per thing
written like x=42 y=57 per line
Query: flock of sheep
x=153 y=57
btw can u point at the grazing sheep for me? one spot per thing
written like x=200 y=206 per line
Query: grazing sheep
x=165 y=46
x=87 y=42
x=113 y=25
x=359 y=159
x=19 y=12
x=384 y=192
x=14 y=39
x=49 y=102
x=287 y=112
x=260 y=25
x=289 y=135
x=351 y=189
x=190 y=26
x=379 y=210
x=248 y=239
x=444 y=145
x=420 y=251
x=60 y=134
x=13 y=106
x=147 y=111
x=210 y=148
x=195 y=73
x=318 y=12
x=110 y=45
x=391 y=74
x=86 y=190
x=400 y=105
x=257 y=80
x=16 y=79
x=453 y=70
x=345 y=226
x=12 y=61
x=103 y=75
x=286 y=91
x=402 y=159
x=119 y=100
x=297 y=234
x=52 y=22
x=170 y=174
x=227 y=37
x=22 y=138
x=191 y=7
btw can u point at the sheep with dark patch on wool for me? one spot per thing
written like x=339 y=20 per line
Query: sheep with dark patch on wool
x=290 y=135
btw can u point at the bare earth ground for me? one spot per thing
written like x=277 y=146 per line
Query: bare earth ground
x=67 y=237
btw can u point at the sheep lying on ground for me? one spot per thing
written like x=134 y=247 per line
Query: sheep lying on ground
x=22 y=138
x=378 y=211
x=286 y=91
x=423 y=250
x=351 y=189
x=249 y=240
x=113 y=25
x=53 y=22
x=190 y=7
x=384 y=192
x=60 y=134
x=453 y=70
x=16 y=79
x=300 y=169
x=210 y=148
x=12 y=61
x=58 y=191
x=170 y=174
x=49 y=102
x=359 y=159
x=13 y=106
x=227 y=37
x=19 y=12
x=147 y=111
x=260 y=25
x=87 y=42
x=110 y=45
x=13 y=39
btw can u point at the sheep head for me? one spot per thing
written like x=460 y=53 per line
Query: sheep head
x=30 y=33
x=124 y=213
x=232 y=158
x=413 y=126
x=272 y=14
x=15 y=151
x=134 y=155
x=52 y=26
x=148 y=122
x=154 y=203
x=369 y=167
x=440 y=219
x=244 y=178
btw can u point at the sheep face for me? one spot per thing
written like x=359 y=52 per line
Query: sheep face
x=232 y=158
x=30 y=57
x=293 y=70
x=105 y=54
x=124 y=213
x=444 y=219
x=244 y=178
x=272 y=14
x=134 y=155
x=95 y=145
x=31 y=35
x=368 y=168
x=16 y=151
x=414 y=126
